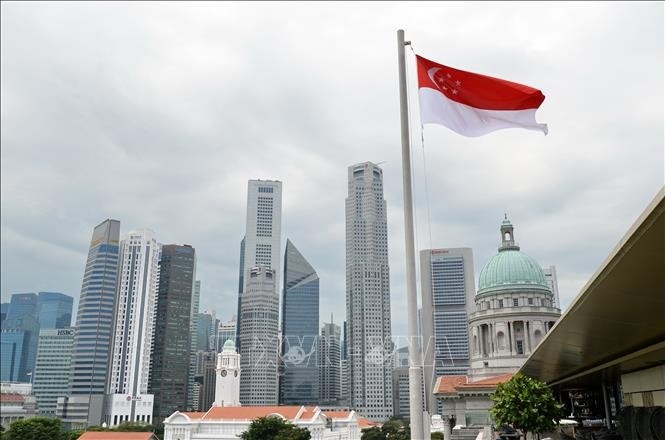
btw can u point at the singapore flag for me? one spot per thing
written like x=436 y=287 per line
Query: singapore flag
x=472 y=104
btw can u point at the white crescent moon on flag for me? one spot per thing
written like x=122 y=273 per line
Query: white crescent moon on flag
x=431 y=73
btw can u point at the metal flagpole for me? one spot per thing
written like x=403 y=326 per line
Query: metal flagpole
x=415 y=378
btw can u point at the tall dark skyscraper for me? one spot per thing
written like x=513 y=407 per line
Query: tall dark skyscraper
x=299 y=383
x=54 y=310
x=94 y=328
x=170 y=356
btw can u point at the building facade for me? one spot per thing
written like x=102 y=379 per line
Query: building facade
x=368 y=293
x=261 y=245
x=552 y=283
x=514 y=310
x=330 y=364
x=51 y=379
x=127 y=398
x=94 y=329
x=54 y=310
x=259 y=338
x=193 y=395
x=448 y=290
x=18 y=341
x=299 y=382
x=225 y=332
x=169 y=375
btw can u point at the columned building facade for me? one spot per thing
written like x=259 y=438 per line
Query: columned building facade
x=515 y=308
x=368 y=294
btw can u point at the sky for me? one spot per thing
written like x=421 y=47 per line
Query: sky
x=157 y=114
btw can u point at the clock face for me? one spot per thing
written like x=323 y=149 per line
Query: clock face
x=235 y=373
x=223 y=373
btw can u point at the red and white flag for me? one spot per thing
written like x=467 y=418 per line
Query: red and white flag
x=472 y=104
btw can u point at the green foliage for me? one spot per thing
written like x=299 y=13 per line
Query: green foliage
x=73 y=435
x=35 y=428
x=133 y=427
x=526 y=404
x=437 y=436
x=396 y=429
x=274 y=428
x=373 y=433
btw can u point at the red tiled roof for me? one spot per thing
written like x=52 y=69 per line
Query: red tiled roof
x=194 y=415
x=489 y=382
x=363 y=423
x=309 y=412
x=338 y=414
x=93 y=435
x=12 y=397
x=250 y=412
x=449 y=384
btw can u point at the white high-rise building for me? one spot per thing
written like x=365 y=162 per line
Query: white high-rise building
x=127 y=398
x=368 y=294
x=259 y=338
x=227 y=376
x=263 y=231
x=550 y=278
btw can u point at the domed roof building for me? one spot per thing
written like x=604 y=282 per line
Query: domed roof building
x=515 y=307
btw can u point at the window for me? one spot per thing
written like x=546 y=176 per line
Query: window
x=500 y=303
x=515 y=302
x=530 y=301
x=520 y=347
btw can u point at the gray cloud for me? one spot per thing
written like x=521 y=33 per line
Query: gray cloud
x=157 y=114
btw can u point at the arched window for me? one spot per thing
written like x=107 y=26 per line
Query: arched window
x=501 y=340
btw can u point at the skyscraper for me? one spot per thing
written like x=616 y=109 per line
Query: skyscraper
x=19 y=338
x=226 y=331
x=94 y=328
x=22 y=304
x=330 y=364
x=368 y=293
x=134 y=331
x=51 y=380
x=169 y=376
x=54 y=310
x=553 y=283
x=448 y=290
x=263 y=226
x=299 y=384
x=259 y=338
x=193 y=395
x=18 y=345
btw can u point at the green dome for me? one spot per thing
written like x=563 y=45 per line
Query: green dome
x=230 y=345
x=511 y=269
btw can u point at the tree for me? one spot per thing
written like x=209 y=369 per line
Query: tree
x=274 y=428
x=373 y=433
x=396 y=429
x=35 y=428
x=526 y=404
x=133 y=427
x=437 y=436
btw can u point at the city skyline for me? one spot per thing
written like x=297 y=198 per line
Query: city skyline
x=602 y=159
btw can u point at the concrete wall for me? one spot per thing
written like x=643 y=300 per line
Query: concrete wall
x=644 y=387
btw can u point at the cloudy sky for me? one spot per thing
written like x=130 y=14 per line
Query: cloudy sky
x=157 y=114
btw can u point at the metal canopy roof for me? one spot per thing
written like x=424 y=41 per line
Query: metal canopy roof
x=616 y=324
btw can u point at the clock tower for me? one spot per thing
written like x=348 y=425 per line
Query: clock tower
x=227 y=376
